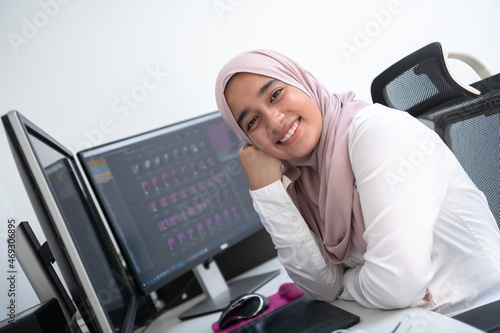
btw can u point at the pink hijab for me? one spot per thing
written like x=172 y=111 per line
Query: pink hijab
x=323 y=186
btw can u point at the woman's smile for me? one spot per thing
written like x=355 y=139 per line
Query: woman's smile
x=290 y=136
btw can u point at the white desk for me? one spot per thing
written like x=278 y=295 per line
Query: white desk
x=372 y=321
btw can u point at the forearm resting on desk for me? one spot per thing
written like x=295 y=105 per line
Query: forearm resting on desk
x=298 y=249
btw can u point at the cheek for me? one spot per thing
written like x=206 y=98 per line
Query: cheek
x=314 y=113
x=294 y=99
x=318 y=120
x=314 y=121
x=259 y=139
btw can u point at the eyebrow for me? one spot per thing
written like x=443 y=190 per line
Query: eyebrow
x=242 y=116
x=264 y=88
x=261 y=92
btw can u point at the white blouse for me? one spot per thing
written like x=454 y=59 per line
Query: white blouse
x=431 y=239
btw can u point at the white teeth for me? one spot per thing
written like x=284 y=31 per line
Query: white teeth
x=290 y=132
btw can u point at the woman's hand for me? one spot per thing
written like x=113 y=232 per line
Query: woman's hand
x=260 y=168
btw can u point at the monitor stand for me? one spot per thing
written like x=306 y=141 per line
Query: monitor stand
x=219 y=293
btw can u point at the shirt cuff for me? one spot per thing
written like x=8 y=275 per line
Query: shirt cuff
x=271 y=199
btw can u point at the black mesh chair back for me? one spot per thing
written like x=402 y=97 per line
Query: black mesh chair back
x=471 y=128
x=467 y=118
x=421 y=81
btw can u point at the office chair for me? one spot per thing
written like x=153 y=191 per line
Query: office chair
x=422 y=81
x=467 y=118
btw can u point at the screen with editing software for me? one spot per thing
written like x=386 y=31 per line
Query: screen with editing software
x=175 y=197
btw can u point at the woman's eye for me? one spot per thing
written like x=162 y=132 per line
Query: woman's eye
x=275 y=94
x=251 y=122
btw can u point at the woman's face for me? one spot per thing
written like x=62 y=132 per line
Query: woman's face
x=278 y=118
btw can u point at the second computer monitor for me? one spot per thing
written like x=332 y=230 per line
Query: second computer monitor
x=175 y=197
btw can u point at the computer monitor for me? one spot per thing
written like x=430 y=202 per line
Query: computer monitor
x=93 y=274
x=175 y=197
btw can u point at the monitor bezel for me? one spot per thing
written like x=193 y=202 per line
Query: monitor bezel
x=36 y=261
x=18 y=129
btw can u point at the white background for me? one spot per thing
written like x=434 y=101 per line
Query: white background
x=68 y=66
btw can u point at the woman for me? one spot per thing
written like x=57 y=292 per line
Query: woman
x=361 y=201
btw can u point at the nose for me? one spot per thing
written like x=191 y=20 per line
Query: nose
x=275 y=117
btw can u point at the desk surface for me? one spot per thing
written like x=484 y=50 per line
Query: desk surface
x=372 y=321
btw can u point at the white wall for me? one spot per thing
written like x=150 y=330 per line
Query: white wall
x=68 y=66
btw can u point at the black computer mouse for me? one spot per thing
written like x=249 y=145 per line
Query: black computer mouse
x=243 y=307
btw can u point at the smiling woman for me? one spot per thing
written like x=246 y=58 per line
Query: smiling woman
x=319 y=167
x=274 y=114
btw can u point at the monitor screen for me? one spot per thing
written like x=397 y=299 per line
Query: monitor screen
x=83 y=252
x=175 y=196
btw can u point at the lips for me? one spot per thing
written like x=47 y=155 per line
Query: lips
x=291 y=131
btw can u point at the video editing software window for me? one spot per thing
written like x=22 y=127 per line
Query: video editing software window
x=175 y=197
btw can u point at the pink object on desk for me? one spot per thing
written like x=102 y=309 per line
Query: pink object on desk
x=287 y=292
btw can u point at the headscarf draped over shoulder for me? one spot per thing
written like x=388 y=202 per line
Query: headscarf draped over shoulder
x=323 y=186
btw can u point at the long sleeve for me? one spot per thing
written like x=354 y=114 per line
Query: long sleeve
x=401 y=181
x=297 y=247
